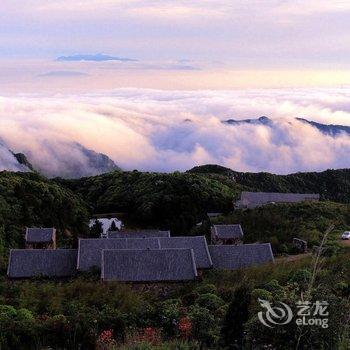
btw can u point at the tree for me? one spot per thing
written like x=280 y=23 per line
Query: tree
x=113 y=227
x=96 y=230
x=232 y=332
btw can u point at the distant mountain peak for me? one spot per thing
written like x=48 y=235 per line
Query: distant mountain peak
x=261 y=120
x=327 y=129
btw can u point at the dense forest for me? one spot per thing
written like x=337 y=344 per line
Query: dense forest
x=219 y=311
x=333 y=185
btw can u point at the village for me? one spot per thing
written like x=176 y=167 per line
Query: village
x=145 y=256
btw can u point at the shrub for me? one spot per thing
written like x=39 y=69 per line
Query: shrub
x=209 y=301
x=206 y=288
x=301 y=277
x=205 y=327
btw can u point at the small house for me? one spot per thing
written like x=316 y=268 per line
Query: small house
x=232 y=257
x=227 y=234
x=40 y=238
x=256 y=199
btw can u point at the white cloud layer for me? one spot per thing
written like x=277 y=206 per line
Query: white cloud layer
x=176 y=130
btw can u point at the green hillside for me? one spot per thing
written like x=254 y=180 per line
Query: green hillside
x=176 y=201
x=279 y=224
x=333 y=185
x=27 y=199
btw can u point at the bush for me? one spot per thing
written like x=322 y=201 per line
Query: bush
x=209 y=301
x=205 y=327
x=301 y=277
x=206 y=288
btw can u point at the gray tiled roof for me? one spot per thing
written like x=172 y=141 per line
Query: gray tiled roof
x=39 y=235
x=148 y=265
x=233 y=257
x=42 y=262
x=197 y=243
x=138 y=234
x=89 y=250
x=260 y=198
x=228 y=231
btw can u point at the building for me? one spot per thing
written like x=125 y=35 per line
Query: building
x=256 y=199
x=107 y=224
x=89 y=249
x=27 y=263
x=232 y=257
x=197 y=243
x=40 y=238
x=138 y=234
x=150 y=259
x=162 y=265
x=226 y=234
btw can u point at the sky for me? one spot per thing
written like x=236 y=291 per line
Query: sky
x=150 y=82
x=219 y=44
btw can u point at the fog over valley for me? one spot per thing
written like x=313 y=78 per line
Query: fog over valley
x=159 y=130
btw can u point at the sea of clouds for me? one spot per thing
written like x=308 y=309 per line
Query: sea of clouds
x=157 y=130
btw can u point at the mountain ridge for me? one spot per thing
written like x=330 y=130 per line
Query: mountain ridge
x=327 y=129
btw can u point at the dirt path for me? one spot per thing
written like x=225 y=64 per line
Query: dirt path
x=291 y=258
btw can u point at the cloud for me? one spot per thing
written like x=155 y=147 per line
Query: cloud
x=93 y=58
x=149 y=129
x=8 y=161
x=63 y=73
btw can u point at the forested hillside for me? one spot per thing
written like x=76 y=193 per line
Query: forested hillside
x=176 y=201
x=333 y=185
x=27 y=199
x=179 y=200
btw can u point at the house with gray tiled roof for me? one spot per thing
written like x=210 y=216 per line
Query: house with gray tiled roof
x=256 y=199
x=137 y=259
x=226 y=234
x=232 y=257
x=26 y=263
x=138 y=234
x=40 y=238
x=89 y=250
x=161 y=265
x=197 y=243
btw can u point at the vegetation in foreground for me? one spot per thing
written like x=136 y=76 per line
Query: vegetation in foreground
x=219 y=312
